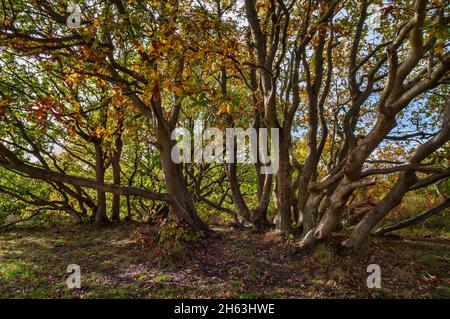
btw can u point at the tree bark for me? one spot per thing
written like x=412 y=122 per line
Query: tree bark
x=236 y=193
x=361 y=232
x=100 y=214
x=264 y=181
x=182 y=206
x=260 y=219
x=115 y=211
x=334 y=212
x=311 y=211
x=284 y=189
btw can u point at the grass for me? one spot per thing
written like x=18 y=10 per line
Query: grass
x=323 y=255
x=115 y=263
x=437 y=226
x=162 y=278
x=12 y=270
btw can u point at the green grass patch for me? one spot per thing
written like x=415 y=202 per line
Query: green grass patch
x=162 y=278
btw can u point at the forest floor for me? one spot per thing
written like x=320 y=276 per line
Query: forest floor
x=116 y=262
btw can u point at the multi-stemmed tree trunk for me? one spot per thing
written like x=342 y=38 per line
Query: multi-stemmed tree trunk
x=268 y=89
x=317 y=92
x=181 y=204
x=270 y=46
x=395 y=97
x=405 y=181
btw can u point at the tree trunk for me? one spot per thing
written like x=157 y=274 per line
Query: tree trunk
x=183 y=206
x=115 y=214
x=414 y=220
x=284 y=189
x=236 y=194
x=311 y=211
x=238 y=199
x=264 y=181
x=260 y=212
x=361 y=232
x=100 y=214
x=333 y=214
x=129 y=213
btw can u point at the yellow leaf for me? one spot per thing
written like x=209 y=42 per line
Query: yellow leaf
x=228 y=107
